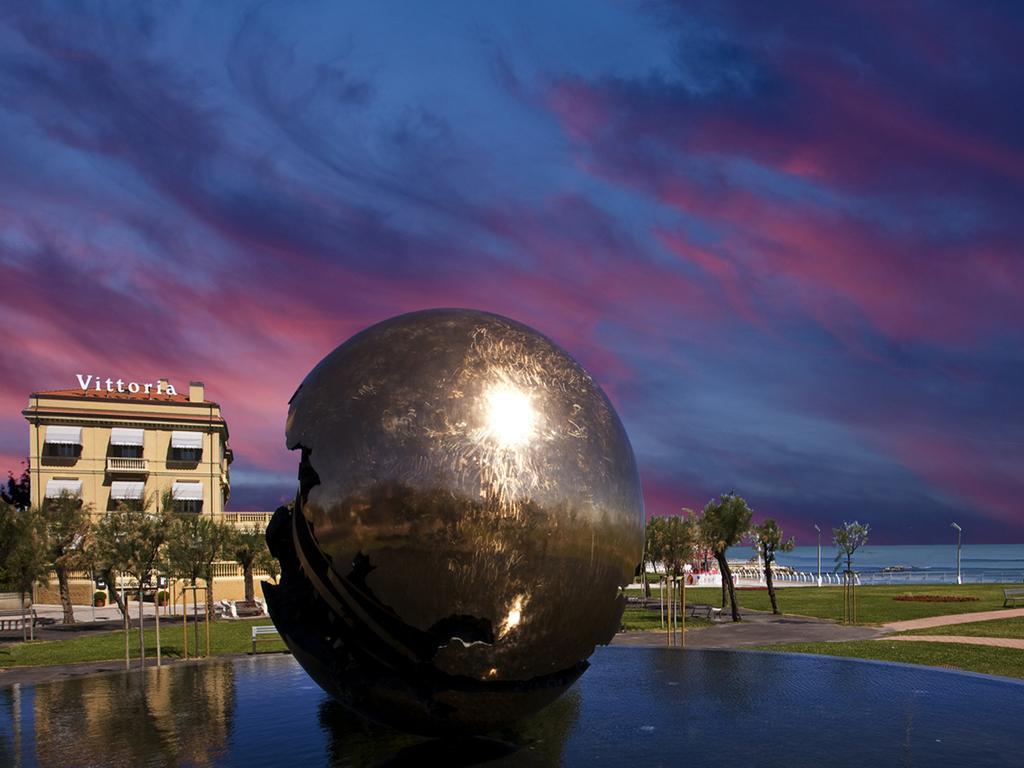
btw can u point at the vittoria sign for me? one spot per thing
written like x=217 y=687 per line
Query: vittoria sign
x=120 y=385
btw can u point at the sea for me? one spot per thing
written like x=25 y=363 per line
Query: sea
x=911 y=563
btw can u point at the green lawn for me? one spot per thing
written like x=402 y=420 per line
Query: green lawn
x=1007 y=662
x=636 y=618
x=875 y=604
x=1013 y=628
x=225 y=637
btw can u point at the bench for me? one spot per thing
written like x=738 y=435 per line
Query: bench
x=260 y=631
x=18 y=619
x=241 y=609
x=1011 y=596
x=708 y=611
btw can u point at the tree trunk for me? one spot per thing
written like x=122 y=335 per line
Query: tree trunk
x=723 y=565
x=142 y=631
x=723 y=588
x=209 y=593
x=65 y=594
x=250 y=592
x=24 y=616
x=108 y=577
x=127 y=655
x=770 y=583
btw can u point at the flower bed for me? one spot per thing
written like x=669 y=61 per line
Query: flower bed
x=936 y=599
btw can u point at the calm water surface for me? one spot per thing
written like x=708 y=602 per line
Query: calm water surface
x=923 y=562
x=649 y=707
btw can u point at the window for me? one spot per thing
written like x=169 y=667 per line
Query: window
x=190 y=455
x=188 y=506
x=126 y=443
x=188 y=496
x=61 y=450
x=186 y=446
x=57 y=487
x=126 y=451
x=62 y=442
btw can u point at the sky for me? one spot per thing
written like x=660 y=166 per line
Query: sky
x=785 y=238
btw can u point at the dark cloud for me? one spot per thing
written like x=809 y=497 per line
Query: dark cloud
x=784 y=238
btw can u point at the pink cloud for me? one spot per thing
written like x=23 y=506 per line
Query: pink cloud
x=983 y=476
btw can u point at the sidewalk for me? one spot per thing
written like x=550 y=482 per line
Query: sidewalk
x=89 y=620
x=997 y=642
x=757 y=628
x=762 y=628
x=955 y=618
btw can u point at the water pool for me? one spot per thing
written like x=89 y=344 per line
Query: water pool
x=635 y=706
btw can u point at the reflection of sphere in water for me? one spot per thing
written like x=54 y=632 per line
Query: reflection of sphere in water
x=468 y=511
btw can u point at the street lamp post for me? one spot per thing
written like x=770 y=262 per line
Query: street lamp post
x=819 y=552
x=959 y=530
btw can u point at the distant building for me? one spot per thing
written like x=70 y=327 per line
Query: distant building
x=109 y=440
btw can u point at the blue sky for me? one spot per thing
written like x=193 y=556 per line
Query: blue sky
x=785 y=239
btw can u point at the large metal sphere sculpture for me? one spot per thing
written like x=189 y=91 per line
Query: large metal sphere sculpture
x=468 y=512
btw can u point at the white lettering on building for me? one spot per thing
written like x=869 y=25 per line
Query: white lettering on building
x=120 y=385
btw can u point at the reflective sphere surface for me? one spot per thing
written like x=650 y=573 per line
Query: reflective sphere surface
x=468 y=510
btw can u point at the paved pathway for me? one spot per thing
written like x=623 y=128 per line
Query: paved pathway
x=90 y=621
x=999 y=642
x=757 y=628
x=956 y=618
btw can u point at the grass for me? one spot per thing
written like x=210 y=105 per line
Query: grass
x=226 y=637
x=635 y=618
x=875 y=604
x=1007 y=662
x=1013 y=628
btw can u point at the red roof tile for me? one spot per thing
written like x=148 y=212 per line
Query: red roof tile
x=92 y=394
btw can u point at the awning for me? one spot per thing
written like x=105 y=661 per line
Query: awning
x=124 y=489
x=54 y=488
x=63 y=435
x=187 y=491
x=187 y=440
x=124 y=436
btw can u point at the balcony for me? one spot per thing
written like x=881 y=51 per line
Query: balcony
x=133 y=466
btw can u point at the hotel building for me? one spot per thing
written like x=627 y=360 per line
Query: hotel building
x=109 y=441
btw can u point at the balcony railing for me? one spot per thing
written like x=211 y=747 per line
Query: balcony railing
x=244 y=519
x=115 y=464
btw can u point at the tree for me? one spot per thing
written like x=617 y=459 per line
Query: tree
x=107 y=553
x=652 y=542
x=246 y=547
x=646 y=558
x=17 y=493
x=724 y=524
x=195 y=543
x=268 y=563
x=678 y=543
x=767 y=540
x=24 y=559
x=128 y=542
x=677 y=540
x=68 y=528
x=848 y=538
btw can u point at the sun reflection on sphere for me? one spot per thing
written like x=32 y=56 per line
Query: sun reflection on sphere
x=511 y=418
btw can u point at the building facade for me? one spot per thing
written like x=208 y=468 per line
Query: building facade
x=109 y=441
